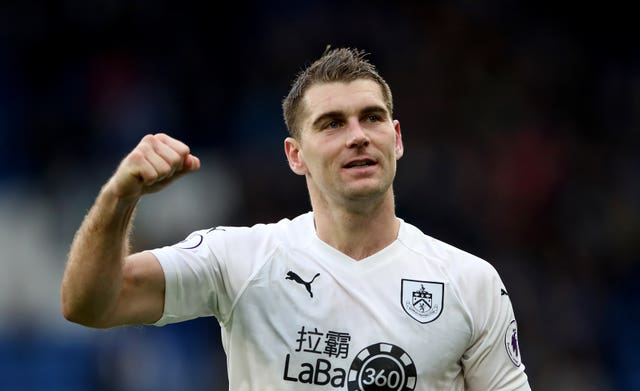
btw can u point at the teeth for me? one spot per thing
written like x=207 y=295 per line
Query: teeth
x=361 y=163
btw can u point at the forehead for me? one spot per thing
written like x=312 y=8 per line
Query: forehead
x=342 y=97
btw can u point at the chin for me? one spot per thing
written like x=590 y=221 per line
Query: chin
x=366 y=192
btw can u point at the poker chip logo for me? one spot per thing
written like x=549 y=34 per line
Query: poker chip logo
x=382 y=366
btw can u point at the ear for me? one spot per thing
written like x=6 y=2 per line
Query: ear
x=294 y=156
x=399 y=146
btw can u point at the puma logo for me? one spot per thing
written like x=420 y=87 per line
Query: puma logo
x=294 y=277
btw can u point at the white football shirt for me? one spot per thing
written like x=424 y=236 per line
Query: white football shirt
x=295 y=312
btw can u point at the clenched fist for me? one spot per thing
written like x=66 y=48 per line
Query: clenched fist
x=154 y=163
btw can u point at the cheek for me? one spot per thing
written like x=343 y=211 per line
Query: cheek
x=321 y=154
x=389 y=147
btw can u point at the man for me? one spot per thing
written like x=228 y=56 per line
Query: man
x=346 y=297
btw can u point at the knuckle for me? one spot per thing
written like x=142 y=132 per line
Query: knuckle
x=151 y=178
x=136 y=154
x=164 y=169
x=164 y=172
x=145 y=146
x=148 y=138
x=176 y=161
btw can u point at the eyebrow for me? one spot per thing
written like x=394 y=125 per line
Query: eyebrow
x=337 y=113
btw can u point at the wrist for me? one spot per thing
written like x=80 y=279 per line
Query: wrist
x=110 y=199
x=112 y=192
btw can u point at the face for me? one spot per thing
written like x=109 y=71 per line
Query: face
x=348 y=144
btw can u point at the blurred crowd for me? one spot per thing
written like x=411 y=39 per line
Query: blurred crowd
x=521 y=124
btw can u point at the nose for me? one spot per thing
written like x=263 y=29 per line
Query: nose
x=356 y=136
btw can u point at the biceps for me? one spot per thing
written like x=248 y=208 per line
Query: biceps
x=141 y=299
x=493 y=362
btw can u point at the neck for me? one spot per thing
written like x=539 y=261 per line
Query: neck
x=357 y=230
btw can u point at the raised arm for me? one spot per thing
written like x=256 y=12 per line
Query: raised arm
x=103 y=286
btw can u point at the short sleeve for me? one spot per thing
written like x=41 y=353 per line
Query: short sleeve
x=493 y=361
x=207 y=272
x=192 y=279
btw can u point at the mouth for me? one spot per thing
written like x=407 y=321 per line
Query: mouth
x=360 y=163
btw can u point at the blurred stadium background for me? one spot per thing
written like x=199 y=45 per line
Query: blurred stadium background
x=521 y=123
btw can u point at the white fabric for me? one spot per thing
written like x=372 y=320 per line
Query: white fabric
x=418 y=304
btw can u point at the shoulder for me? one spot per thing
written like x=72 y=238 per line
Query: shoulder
x=459 y=265
x=258 y=237
x=471 y=281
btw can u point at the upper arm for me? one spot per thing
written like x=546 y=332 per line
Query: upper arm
x=492 y=362
x=141 y=297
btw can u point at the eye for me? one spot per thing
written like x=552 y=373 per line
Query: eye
x=373 y=118
x=333 y=124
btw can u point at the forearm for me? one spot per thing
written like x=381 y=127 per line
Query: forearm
x=93 y=277
x=97 y=289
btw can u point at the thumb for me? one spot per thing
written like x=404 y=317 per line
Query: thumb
x=191 y=163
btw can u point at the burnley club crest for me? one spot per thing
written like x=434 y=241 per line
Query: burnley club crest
x=422 y=300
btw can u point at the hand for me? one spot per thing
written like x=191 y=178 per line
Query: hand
x=154 y=163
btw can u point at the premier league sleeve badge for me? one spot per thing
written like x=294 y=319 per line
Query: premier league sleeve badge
x=511 y=343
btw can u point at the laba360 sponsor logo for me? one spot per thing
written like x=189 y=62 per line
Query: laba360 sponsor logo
x=319 y=371
x=380 y=366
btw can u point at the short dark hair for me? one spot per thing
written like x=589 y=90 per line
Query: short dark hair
x=335 y=65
